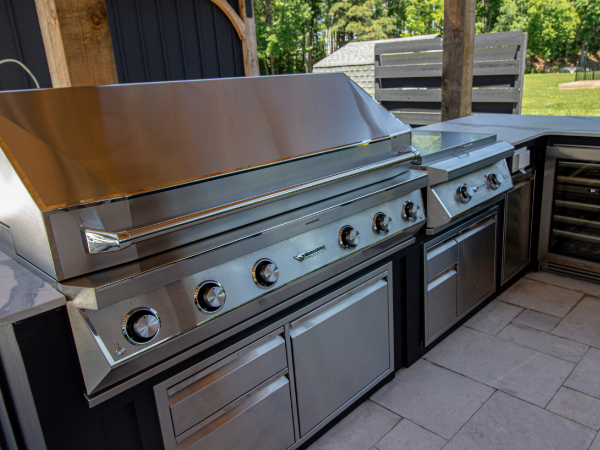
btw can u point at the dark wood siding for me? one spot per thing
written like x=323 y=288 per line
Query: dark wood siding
x=21 y=39
x=161 y=40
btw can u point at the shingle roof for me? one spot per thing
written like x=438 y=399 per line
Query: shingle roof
x=359 y=53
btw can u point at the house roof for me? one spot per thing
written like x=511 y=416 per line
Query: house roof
x=360 y=53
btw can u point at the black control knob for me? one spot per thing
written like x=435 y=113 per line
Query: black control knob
x=382 y=223
x=348 y=237
x=464 y=193
x=265 y=273
x=209 y=296
x=493 y=181
x=141 y=325
x=409 y=211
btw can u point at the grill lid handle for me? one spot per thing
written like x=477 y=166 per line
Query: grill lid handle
x=101 y=241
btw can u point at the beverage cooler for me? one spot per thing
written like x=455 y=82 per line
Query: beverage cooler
x=570 y=221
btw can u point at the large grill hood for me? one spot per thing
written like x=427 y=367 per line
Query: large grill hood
x=87 y=157
x=85 y=144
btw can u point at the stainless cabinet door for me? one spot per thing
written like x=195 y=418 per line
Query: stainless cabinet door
x=339 y=351
x=517 y=229
x=476 y=264
x=441 y=302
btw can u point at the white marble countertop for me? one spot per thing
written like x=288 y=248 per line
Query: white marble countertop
x=516 y=129
x=22 y=294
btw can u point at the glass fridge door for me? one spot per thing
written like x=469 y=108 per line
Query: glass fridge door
x=575 y=226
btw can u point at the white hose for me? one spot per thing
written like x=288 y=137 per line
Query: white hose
x=24 y=67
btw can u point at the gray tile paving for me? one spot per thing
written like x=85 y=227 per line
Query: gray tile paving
x=537 y=320
x=544 y=342
x=596 y=443
x=586 y=376
x=575 y=284
x=494 y=317
x=360 y=430
x=516 y=370
x=582 y=324
x=433 y=397
x=507 y=423
x=449 y=394
x=576 y=406
x=409 y=436
x=541 y=297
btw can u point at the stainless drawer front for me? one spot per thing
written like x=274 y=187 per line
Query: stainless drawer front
x=340 y=351
x=441 y=257
x=199 y=396
x=441 y=302
x=262 y=421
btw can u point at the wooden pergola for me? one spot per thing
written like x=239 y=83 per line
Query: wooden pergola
x=79 y=48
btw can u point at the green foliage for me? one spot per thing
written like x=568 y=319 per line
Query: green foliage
x=293 y=34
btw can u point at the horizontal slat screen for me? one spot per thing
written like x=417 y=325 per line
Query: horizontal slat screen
x=408 y=76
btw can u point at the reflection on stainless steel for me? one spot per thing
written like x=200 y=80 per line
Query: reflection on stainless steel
x=153 y=201
x=460 y=272
x=464 y=172
x=134 y=162
x=98 y=142
x=105 y=241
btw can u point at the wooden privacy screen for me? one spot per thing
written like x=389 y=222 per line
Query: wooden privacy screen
x=408 y=76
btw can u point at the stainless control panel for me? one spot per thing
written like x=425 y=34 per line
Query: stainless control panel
x=127 y=328
x=452 y=198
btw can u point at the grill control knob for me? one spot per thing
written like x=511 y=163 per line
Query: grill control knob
x=141 y=325
x=464 y=193
x=265 y=273
x=382 y=223
x=349 y=237
x=493 y=181
x=209 y=296
x=409 y=211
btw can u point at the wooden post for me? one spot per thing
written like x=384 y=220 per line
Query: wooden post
x=77 y=41
x=458 y=49
x=246 y=30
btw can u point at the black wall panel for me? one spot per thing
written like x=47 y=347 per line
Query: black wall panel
x=21 y=39
x=161 y=40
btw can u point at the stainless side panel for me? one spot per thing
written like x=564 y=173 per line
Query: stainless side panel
x=441 y=257
x=476 y=264
x=517 y=229
x=340 y=351
x=201 y=395
x=441 y=302
x=263 y=421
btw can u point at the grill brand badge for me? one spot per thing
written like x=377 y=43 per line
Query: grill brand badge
x=310 y=254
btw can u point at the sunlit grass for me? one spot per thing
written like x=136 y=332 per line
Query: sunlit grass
x=542 y=97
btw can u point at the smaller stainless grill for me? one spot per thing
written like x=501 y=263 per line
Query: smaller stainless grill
x=464 y=171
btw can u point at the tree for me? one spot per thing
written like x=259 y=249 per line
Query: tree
x=280 y=30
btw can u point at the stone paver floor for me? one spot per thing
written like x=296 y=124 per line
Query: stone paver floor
x=524 y=373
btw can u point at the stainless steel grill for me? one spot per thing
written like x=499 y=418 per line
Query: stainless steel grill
x=172 y=215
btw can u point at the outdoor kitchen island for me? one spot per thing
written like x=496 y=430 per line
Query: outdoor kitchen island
x=321 y=315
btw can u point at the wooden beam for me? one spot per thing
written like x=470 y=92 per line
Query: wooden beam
x=458 y=50
x=77 y=40
x=246 y=30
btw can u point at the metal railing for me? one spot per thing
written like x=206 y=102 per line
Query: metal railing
x=587 y=71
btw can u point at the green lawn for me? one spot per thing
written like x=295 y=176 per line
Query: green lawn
x=541 y=96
